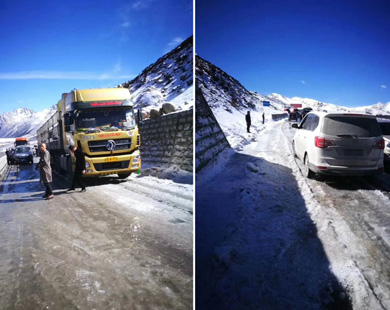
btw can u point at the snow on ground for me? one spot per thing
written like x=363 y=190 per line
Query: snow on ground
x=123 y=243
x=263 y=240
x=173 y=173
x=233 y=124
x=185 y=100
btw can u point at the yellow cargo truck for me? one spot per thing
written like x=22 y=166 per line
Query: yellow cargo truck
x=103 y=124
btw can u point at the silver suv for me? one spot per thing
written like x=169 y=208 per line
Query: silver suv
x=339 y=144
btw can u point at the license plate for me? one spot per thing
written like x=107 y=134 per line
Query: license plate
x=353 y=152
x=111 y=159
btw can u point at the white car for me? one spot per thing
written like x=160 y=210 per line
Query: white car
x=384 y=123
x=339 y=144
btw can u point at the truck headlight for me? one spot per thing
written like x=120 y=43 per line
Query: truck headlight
x=87 y=165
x=136 y=159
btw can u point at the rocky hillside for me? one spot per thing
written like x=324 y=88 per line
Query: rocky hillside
x=169 y=79
x=219 y=88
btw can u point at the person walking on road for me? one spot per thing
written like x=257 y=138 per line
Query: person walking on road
x=248 y=121
x=79 y=169
x=45 y=171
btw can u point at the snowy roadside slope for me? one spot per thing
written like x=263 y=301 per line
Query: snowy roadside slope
x=272 y=245
x=230 y=101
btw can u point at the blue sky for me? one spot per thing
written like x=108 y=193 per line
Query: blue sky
x=51 y=47
x=334 y=51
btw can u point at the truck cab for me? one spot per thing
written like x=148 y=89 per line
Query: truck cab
x=103 y=124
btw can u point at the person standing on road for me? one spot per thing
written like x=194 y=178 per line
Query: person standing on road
x=248 y=121
x=8 y=153
x=45 y=171
x=79 y=169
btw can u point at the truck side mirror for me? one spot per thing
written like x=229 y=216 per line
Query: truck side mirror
x=139 y=118
x=295 y=126
x=68 y=121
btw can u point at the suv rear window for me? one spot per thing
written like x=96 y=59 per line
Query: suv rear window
x=349 y=125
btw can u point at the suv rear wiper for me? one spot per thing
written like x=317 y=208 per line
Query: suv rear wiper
x=347 y=136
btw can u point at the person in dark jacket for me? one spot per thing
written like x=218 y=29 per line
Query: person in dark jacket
x=248 y=121
x=79 y=169
x=9 y=156
x=45 y=171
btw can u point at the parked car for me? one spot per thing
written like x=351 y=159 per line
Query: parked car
x=339 y=144
x=384 y=124
x=23 y=154
x=295 y=115
x=305 y=111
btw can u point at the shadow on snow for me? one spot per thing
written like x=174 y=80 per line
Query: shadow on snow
x=256 y=245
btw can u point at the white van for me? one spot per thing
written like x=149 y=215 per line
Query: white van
x=339 y=144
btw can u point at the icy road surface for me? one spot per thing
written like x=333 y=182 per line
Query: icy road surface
x=123 y=244
x=280 y=241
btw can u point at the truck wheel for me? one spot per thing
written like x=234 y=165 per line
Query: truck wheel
x=124 y=175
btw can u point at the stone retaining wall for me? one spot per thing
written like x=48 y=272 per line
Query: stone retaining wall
x=168 y=140
x=209 y=137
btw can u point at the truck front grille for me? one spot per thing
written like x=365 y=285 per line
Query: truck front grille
x=100 y=146
x=112 y=166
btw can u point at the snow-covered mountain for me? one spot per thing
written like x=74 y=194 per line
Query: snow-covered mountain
x=169 y=79
x=376 y=109
x=23 y=122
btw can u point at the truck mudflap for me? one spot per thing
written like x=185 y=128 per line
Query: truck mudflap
x=115 y=164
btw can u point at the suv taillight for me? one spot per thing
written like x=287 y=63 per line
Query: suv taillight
x=380 y=144
x=323 y=143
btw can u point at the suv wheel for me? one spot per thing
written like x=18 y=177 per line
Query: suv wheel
x=293 y=149
x=307 y=172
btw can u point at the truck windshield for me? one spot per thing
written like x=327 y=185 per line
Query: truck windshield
x=105 y=120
